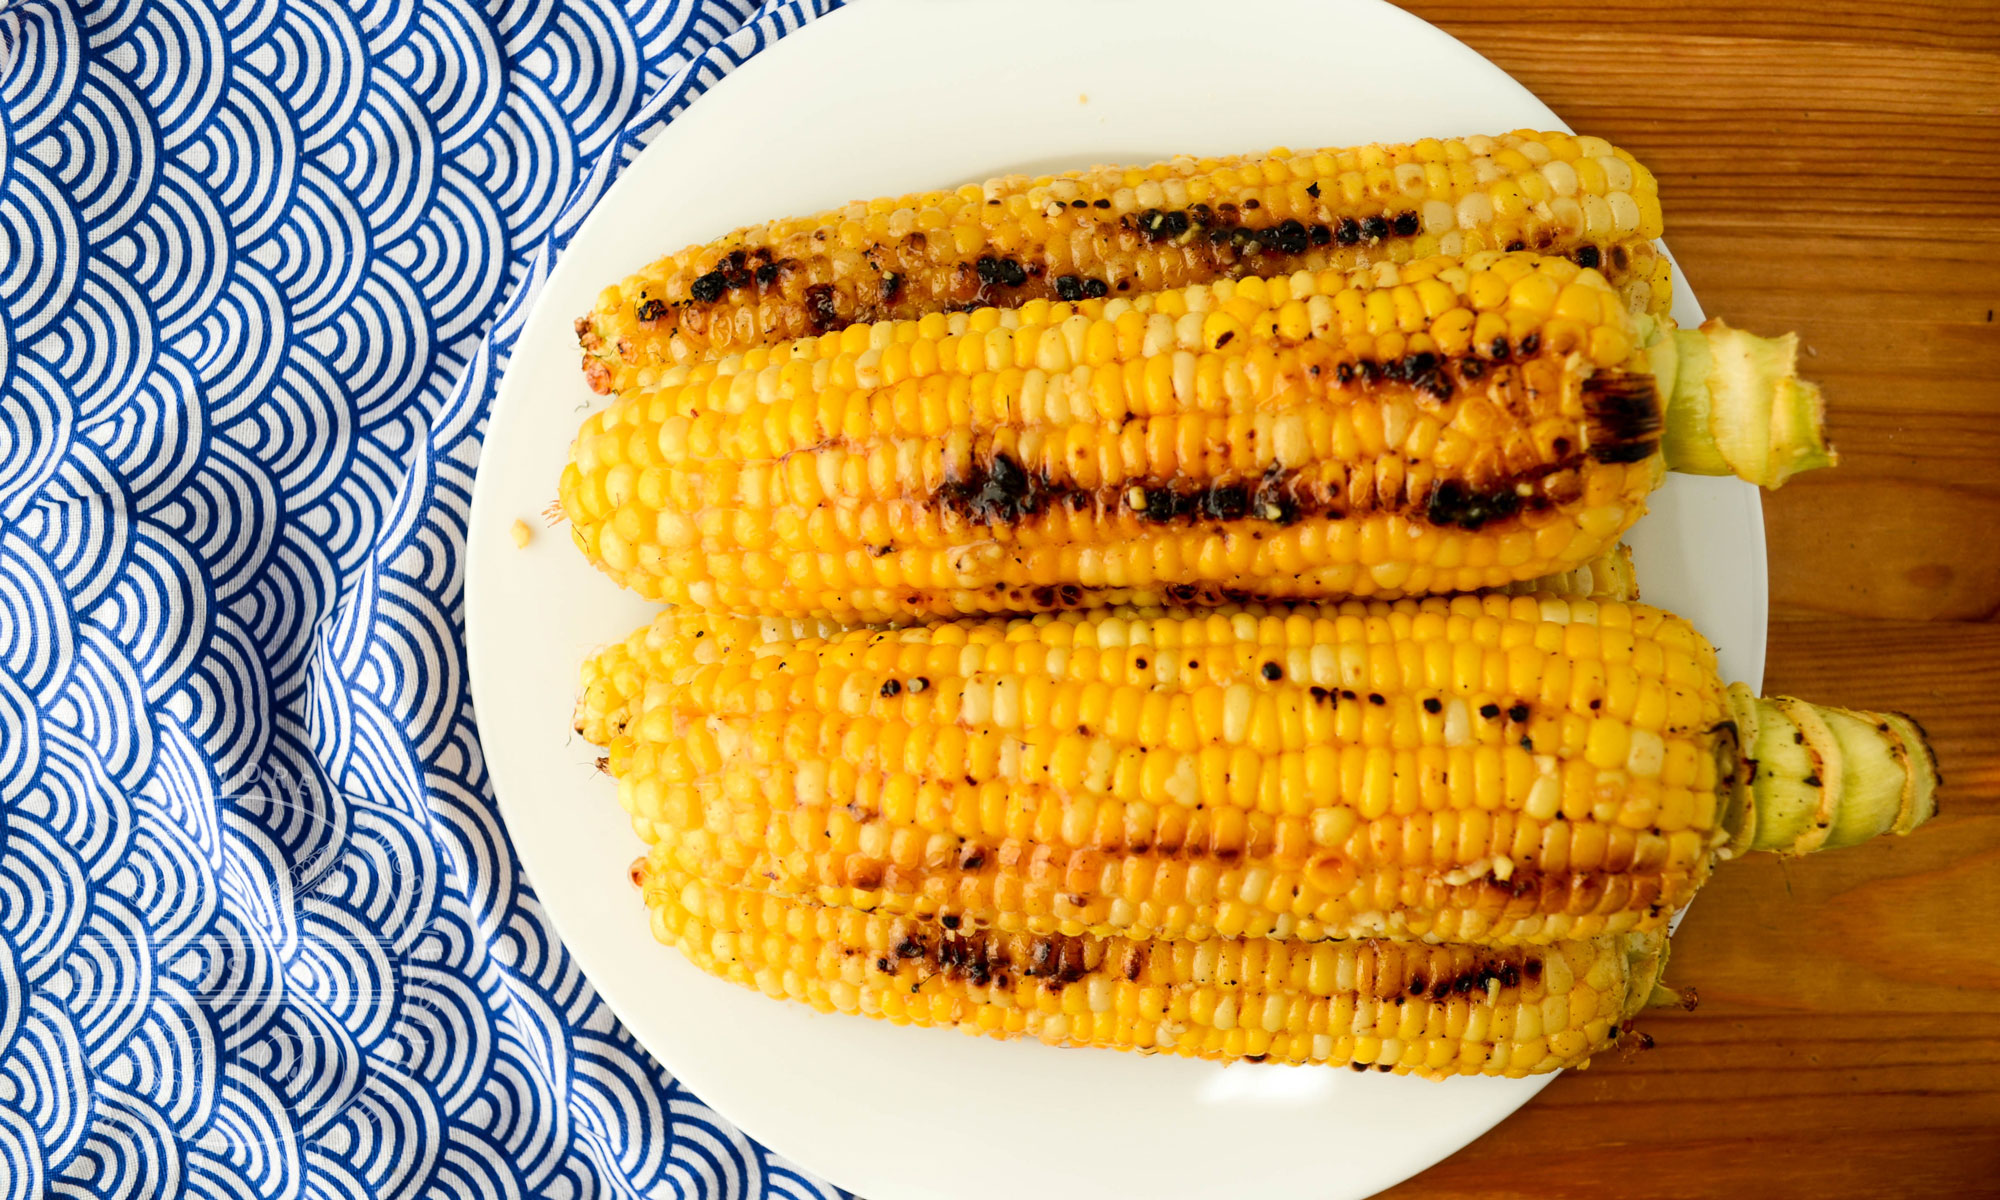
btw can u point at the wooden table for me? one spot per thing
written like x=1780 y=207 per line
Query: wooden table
x=1833 y=168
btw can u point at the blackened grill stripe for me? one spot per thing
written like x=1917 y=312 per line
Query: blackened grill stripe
x=1622 y=418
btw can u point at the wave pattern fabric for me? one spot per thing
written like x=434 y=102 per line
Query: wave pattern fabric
x=262 y=934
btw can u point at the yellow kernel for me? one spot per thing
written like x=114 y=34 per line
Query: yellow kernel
x=1534 y=293
x=1609 y=346
x=1608 y=744
x=1487 y=291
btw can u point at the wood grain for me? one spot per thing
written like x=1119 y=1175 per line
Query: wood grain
x=1831 y=168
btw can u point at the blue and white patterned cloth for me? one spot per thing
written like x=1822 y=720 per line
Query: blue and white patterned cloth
x=261 y=931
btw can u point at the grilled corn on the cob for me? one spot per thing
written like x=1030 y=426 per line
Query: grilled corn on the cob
x=1427 y=427
x=1396 y=1006
x=1480 y=768
x=1113 y=231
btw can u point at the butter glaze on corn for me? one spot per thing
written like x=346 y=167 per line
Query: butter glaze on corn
x=1119 y=230
x=1481 y=768
x=1427 y=427
x=1397 y=1007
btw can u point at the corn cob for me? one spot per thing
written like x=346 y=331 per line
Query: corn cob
x=1114 y=231
x=1431 y=427
x=1396 y=1006
x=1479 y=768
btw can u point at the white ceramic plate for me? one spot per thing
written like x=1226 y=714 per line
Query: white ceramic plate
x=895 y=96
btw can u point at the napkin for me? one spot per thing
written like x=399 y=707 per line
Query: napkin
x=262 y=933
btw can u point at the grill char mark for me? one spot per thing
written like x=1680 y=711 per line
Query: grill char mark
x=998 y=490
x=1218 y=238
x=1622 y=417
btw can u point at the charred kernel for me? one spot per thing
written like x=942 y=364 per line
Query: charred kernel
x=1416 y=985
x=708 y=288
x=1320 y=235
x=1253 y=203
x=1273 y=672
x=1812 y=781
x=1472 y=368
x=1069 y=287
x=892 y=284
x=1003 y=271
x=918 y=684
x=1374 y=228
x=883 y=965
x=1226 y=502
x=1343 y=373
x=1489 y=711
x=1588 y=256
x=1499 y=346
x=1377 y=698
x=891 y=688
x=1347 y=693
x=1347 y=232
x=1160 y=505
x=1406 y=224
x=1517 y=713
x=1079 y=204
x=1312 y=189
x=1433 y=705
x=1319 y=694
x=1095 y=289
x=1289 y=237
x=1002 y=492
x=1228 y=336
x=1533 y=968
x=1452 y=503
x=949 y=922
x=1531 y=343
x=1517 y=244
x=649 y=309
x=821 y=313
x=767 y=275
